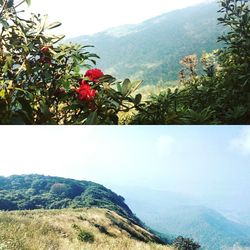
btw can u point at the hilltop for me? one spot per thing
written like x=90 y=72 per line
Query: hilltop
x=26 y=192
x=57 y=212
x=152 y=50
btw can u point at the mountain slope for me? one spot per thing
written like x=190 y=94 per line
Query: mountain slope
x=89 y=228
x=152 y=50
x=206 y=226
x=175 y=214
x=37 y=191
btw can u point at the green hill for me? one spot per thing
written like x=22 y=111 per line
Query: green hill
x=59 y=213
x=152 y=50
x=26 y=192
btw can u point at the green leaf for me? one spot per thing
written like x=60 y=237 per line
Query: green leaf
x=136 y=85
x=107 y=78
x=119 y=87
x=126 y=87
x=92 y=119
x=44 y=108
x=116 y=104
x=137 y=99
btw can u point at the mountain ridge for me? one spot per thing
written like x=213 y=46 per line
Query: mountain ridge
x=182 y=215
x=151 y=50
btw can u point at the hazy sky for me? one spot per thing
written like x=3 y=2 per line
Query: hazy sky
x=81 y=17
x=182 y=159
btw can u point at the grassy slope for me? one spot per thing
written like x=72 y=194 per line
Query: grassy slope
x=59 y=229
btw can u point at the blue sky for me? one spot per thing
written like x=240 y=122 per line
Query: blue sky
x=81 y=17
x=189 y=159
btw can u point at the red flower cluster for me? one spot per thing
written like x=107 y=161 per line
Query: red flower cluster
x=85 y=92
x=94 y=75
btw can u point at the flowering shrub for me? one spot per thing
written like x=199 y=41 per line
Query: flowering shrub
x=41 y=81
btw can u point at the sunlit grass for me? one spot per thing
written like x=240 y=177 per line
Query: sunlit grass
x=60 y=229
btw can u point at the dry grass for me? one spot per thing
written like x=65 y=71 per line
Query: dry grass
x=59 y=230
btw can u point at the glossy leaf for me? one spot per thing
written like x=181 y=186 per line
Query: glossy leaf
x=92 y=119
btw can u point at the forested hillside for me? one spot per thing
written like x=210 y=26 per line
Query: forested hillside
x=153 y=49
x=85 y=206
x=36 y=192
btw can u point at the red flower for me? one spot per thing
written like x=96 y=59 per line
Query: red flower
x=94 y=74
x=85 y=93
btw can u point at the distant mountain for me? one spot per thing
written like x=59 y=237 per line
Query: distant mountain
x=151 y=50
x=175 y=214
x=64 y=229
x=20 y=192
x=212 y=230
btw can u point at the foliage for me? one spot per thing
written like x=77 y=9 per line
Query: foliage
x=222 y=95
x=36 y=192
x=41 y=81
x=85 y=236
x=181 y=243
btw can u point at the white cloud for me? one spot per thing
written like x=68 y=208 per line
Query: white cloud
x=164 y=145
x=242 y=142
